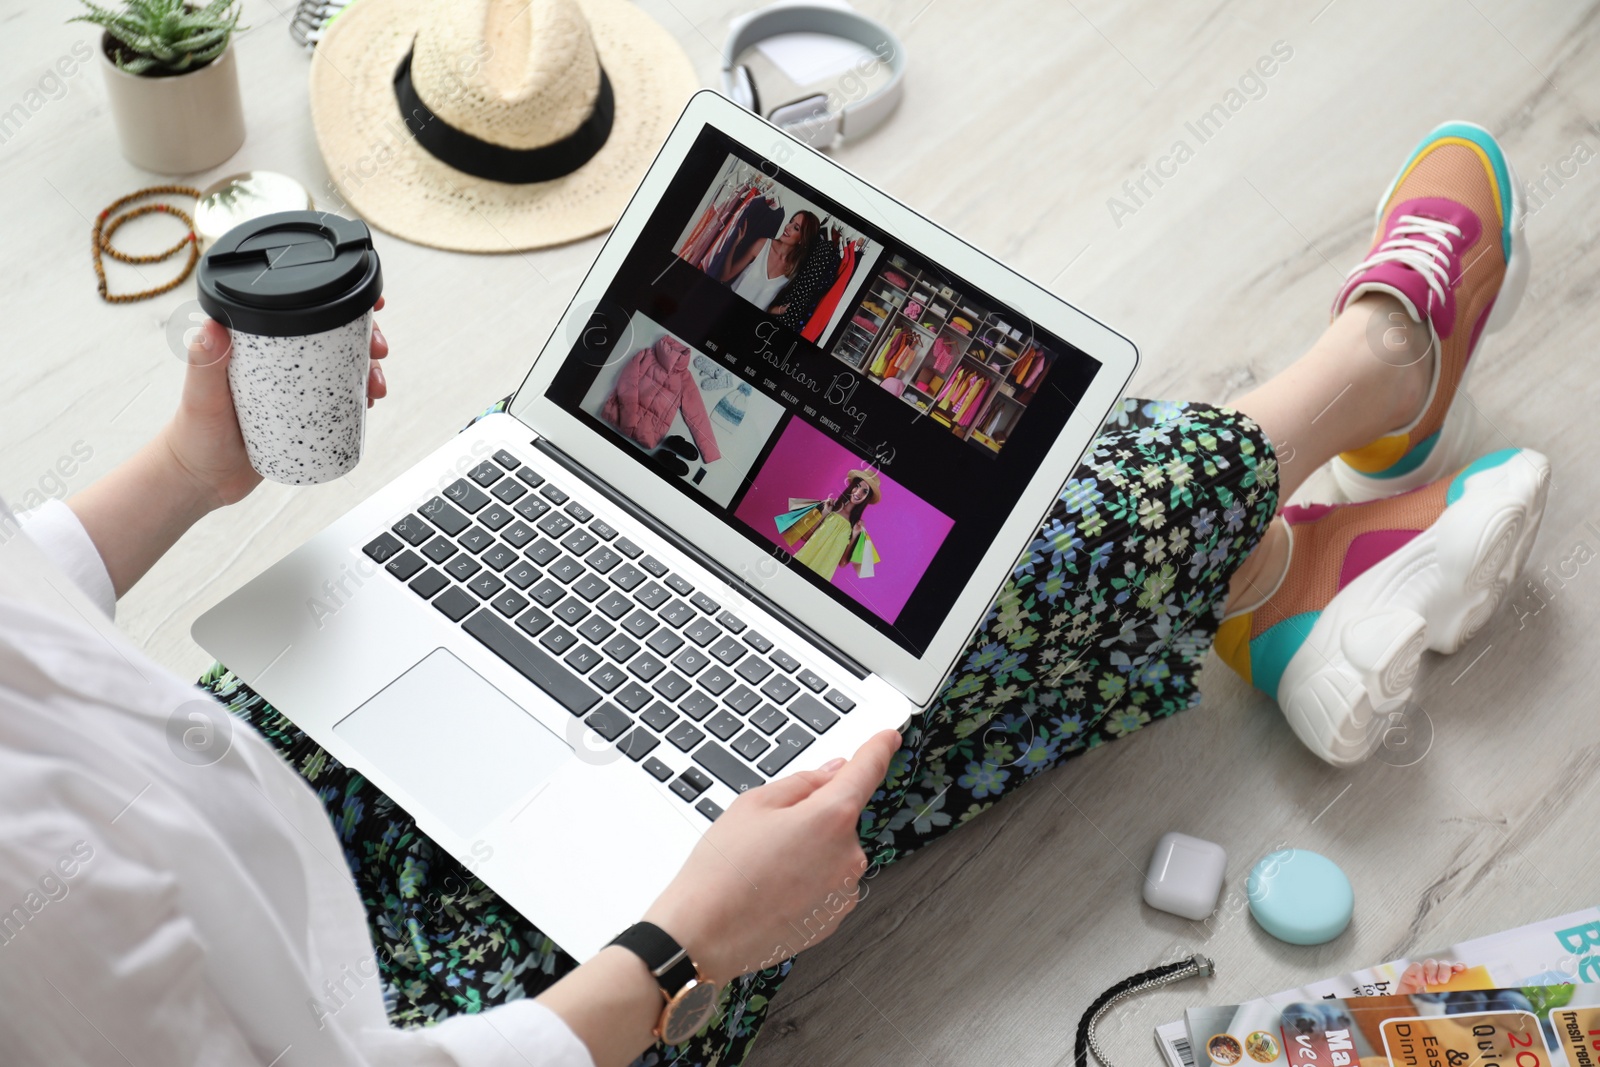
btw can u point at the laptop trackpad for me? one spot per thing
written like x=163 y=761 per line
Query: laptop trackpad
x=454 y=742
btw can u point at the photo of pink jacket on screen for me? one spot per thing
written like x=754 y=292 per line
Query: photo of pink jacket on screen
x=655 y=386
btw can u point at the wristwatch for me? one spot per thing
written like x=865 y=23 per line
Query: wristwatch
x=690 y=998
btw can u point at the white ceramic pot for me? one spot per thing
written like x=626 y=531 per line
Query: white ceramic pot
x=179 y=123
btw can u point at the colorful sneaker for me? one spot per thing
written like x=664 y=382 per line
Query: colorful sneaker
x=1370 y=586
x=1450 y=247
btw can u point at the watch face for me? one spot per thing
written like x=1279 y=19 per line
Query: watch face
x=687 y=1012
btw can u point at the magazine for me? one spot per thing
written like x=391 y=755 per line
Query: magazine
x=1558 y=951
x=1534 y=1026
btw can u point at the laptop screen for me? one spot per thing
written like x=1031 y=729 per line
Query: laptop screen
x=866 y=416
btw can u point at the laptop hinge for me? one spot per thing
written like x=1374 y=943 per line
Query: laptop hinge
x=700 y=556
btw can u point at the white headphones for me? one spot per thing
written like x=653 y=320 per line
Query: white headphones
x=816 y=119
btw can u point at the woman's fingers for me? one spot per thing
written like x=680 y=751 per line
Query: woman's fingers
x=793 y=788
x=870 y=764
x=855 y=782
x=205 y=386
x=377 y=387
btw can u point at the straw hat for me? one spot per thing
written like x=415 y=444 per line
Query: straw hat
x=488 y=81
x=871 y=478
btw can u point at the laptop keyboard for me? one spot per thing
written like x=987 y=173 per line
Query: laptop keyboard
x=608 y=631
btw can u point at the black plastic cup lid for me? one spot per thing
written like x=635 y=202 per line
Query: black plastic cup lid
x=291 y=274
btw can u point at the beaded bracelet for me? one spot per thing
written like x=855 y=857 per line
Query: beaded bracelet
x=108 y=222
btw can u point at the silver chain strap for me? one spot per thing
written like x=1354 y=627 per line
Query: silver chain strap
x=1198 y=966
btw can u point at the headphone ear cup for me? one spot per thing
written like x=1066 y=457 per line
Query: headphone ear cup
x=744 y=90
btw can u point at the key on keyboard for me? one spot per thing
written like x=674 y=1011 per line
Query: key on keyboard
x=685 y=736
x=750 y=745
x=405 y=565
x=632 y=696
x=647 y=666
x=412 y=530
x=793 y=741
x=444 y=516
x=530 y=661
x=531 y=508
x=509 y=603
x=455 y=602
x=509 y=492
x=466 y=495
x=658 y=716
x=428 y=583
x=729 y=769
x=637 y=745
x=609 y=722
x=494 y=516
x=697 y=705
x=541 y=552
x=518 y=533
x=439 y=549
x=768 y=719
x=809 y=710
x=558 y=639
x=380 y=548
x=723 y=725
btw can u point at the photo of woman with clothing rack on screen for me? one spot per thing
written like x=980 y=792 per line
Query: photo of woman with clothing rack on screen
x=776 y=249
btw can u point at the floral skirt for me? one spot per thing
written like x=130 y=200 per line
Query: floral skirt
x=1101 y=630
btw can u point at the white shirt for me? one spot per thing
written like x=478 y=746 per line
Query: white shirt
x=154 y=912
x=753 y=283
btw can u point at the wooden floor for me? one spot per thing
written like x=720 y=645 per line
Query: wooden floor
x=1022 y=124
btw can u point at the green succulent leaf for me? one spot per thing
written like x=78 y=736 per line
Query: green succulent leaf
x=165 y=35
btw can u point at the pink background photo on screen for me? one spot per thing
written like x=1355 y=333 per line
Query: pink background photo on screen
x=907 y=530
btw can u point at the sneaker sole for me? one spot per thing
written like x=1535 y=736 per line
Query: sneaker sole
x=1361 y=659
x=1454 y=448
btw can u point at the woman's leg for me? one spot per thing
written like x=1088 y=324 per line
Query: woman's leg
x=1332 y=614
x=1104 y=624
x=1363 y=377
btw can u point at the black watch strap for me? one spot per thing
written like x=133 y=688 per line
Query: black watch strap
x=667 y=960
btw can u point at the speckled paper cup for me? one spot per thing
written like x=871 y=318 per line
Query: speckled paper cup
x=296 y=291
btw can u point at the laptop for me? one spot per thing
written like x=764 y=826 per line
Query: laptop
x=749 y=504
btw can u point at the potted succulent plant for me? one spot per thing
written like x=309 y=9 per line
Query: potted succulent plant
x=172 y=82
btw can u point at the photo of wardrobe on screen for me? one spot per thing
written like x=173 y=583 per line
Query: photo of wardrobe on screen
x=777 y=249
x=970 y=366
x=694 y=418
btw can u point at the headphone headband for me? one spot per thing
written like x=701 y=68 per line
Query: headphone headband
x=811 y=119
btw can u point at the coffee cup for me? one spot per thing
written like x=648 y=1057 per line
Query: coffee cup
x=295 y=291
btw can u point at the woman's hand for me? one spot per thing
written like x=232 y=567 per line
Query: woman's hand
x=778 y=870
x=196 y=464
x=203 y=435
x=773 y=875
